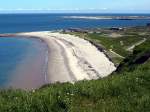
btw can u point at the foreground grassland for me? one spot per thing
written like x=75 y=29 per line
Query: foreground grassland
x=126 y=90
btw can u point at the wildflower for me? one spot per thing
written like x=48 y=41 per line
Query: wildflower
x=33 y=91
x=16 y=98
x=72 y=94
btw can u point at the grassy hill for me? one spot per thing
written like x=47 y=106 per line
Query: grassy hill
x=127 y=90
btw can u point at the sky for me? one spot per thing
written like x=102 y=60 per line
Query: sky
x=95 y=6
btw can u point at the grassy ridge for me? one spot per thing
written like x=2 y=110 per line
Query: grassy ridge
x=127 y=91
x=140 y=55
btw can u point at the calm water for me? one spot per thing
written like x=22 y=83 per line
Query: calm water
x=38 y=22
x=22 y=62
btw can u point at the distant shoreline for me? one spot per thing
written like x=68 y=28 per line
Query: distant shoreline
x=109 y=17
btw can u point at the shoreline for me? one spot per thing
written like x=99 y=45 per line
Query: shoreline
x=109 y=17
x=71 y=58
x=82 y=65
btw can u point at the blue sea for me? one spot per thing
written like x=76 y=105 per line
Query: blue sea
x=22 y=60
x=10 y=23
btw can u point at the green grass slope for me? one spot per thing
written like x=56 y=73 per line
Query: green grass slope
x=140 y=55
x=125 y=91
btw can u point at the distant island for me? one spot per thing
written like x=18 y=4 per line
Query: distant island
x=109 y=17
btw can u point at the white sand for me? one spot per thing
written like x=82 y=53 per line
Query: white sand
x=72 y=58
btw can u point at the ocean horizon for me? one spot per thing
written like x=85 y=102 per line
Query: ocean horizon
x=28 y=22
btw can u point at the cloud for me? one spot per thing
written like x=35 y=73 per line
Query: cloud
x=105 y=8
x=48 y=9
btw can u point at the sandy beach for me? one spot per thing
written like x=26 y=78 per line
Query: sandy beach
x=71 y=58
